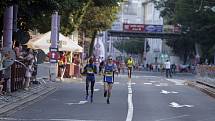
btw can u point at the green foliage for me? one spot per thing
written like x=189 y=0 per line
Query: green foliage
x=98 y=17
x=89 y=16
x=131 y=46
x=197 y=22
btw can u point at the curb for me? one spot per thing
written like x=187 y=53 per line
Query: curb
x=208 y=89
x=21 y=102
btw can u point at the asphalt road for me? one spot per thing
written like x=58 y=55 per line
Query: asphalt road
x=149 y=97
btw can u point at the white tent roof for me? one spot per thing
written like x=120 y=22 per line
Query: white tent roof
x=43 y=42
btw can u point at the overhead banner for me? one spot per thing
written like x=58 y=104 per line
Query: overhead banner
x=142 y=28
x=133 y=27
x=153 y=28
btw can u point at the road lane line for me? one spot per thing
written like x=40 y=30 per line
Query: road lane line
x=130 y=104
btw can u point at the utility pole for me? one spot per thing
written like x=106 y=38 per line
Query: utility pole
x=7 y=41
x=54 y=45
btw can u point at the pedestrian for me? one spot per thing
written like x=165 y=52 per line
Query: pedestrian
x=109 y=70
x=34 y=74
x=18 y=50
x=62 y=65
x=173 y=68
x=168 y=69
x=1 y=86
x=101 y=66
x=29 y=60
x=90 y=70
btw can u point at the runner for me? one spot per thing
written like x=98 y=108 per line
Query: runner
x=90 y=71
x=130 y=64
x=109 y=70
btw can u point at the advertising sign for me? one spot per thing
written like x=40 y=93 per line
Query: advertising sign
x=168 y=28
x=134 y=27
x=53 y=55
x=171 y=29
x=153 y=28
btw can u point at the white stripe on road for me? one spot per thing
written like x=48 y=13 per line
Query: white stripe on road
x=167 y=92
x=147 y=83
x=176 y=105
x=177 y=81
x=130 y=104
x=79 y=103
x=151 y=76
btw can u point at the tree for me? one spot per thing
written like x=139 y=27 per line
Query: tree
x=98 y=17
x=195 y=19
x=128 y=45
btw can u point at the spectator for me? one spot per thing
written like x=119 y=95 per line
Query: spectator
x=18 y=49
x=101 y=66
x=62 y=65
x=1 y=87
x=29 y=60
x=173 y=68
x=168 y=67
x=34 y=74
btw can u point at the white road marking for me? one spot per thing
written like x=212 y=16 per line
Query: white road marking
x=158 y=85
x=132 y=83
x=102 y=83
x=130 y=104
x=164 y=84
x=176 y=105
x=166 y=92
x=134 y=76
x=151 y=76
x=54 y=119
x=147 y=83
x=177 y=81
x=95 y=90
x=176 y=117
x=80 y=103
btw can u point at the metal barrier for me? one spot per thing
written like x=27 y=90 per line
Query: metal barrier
x=18 y=70
x=206 y=74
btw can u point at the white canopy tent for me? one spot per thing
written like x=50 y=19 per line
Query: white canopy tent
x=43 y=42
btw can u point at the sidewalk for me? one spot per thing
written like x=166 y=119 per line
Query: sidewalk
x=22 y=97
x=204 y=87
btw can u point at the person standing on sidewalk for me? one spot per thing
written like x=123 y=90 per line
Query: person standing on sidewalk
x=90 y=70
x=168 y=69
x=109 y=70
x=62 y=65
x=29 y=68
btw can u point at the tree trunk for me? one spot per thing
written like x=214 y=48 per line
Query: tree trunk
x=92 y=43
